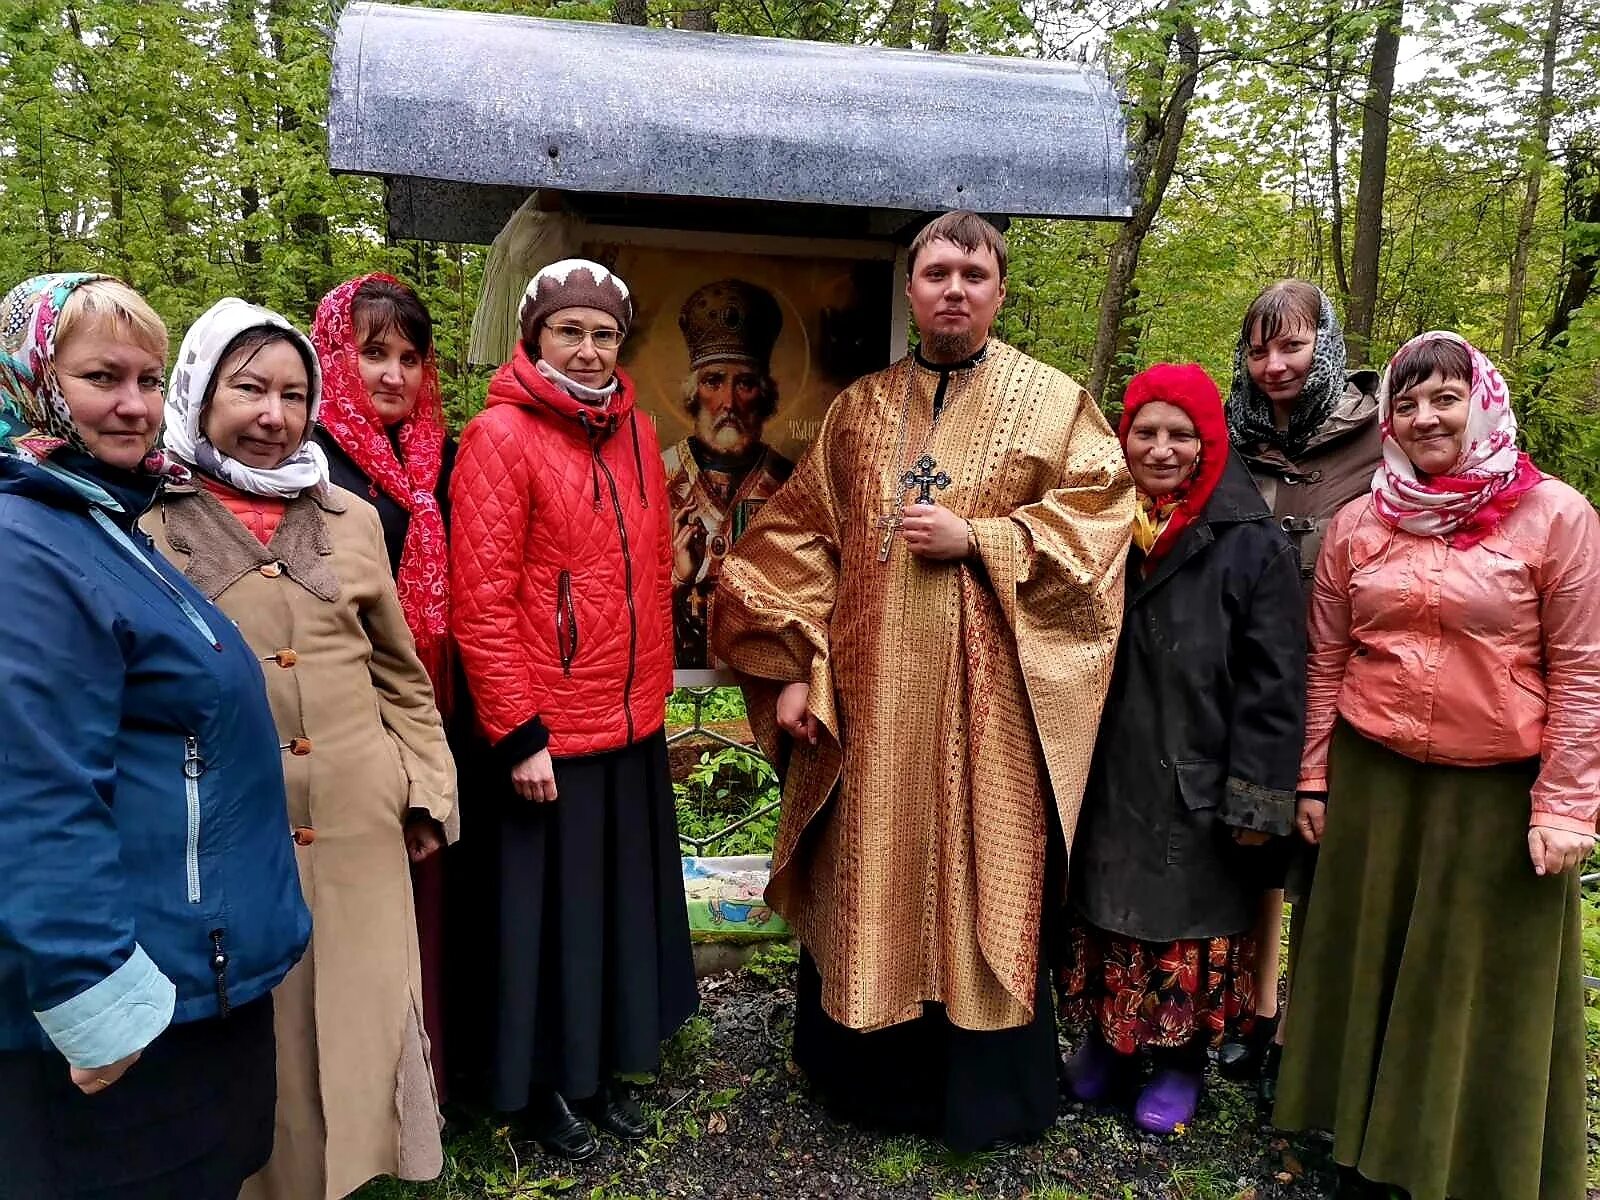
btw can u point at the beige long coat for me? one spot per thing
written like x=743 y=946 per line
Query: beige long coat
x=355 y=1093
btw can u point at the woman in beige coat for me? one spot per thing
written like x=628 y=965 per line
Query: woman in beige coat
x=300 y=566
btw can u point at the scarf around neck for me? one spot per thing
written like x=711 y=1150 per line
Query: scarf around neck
x=405 y=468
x=1466 y=505
x=1251 y=420
x=199 y=359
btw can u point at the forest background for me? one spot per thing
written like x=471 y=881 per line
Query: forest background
x=1431 y=163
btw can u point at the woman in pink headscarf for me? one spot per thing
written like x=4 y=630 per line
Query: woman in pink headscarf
x=1451 y=776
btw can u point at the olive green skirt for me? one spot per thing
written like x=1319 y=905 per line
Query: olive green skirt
x=1437 y=1021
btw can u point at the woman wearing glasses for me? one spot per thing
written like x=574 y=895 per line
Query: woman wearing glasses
x=561 y=597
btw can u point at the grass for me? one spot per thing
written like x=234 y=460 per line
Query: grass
x=899 y=1160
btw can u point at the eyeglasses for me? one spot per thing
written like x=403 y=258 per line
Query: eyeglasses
x=573 y=335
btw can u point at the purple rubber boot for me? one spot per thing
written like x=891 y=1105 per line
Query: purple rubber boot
x=1090 y=1070
x=1168 y=1100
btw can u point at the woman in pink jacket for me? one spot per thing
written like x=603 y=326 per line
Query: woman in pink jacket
x=1451 y=776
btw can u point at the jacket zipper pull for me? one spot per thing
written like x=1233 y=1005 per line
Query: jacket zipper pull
x=219 y=968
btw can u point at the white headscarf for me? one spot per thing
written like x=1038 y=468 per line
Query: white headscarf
x=198 y=359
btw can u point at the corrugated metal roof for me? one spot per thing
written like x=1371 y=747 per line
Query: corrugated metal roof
x=422 y=94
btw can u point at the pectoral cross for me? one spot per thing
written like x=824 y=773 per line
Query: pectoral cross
x=890 y=524
x=924 y=476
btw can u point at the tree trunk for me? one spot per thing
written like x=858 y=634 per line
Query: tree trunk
x=1154 y=153
x=1538 y=152
x=1583 y=174
x=630 y=12
x=703 y=19
x=938 y=28
x=1369 y=190
x=1335 y=178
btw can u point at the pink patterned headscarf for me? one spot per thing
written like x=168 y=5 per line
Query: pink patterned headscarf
x=1464 y=506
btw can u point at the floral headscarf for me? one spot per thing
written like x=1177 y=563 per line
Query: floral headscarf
x=35 y=419
x=1464 y=506
x=1251 y=422
x=409 y=477
x=199 y=358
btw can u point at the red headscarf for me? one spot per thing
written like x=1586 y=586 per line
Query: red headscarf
x=1186 y=386
x=409 y=479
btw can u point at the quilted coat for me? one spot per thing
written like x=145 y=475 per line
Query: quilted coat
x=560 y=568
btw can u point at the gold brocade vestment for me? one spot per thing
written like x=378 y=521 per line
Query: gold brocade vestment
x=955 y=699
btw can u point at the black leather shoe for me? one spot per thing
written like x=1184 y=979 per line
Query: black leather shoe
x=614 y=1111
x=1267 y=1085
x=558 y=1130
x=1242 y=1060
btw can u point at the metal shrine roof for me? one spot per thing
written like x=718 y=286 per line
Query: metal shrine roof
x=433 y=99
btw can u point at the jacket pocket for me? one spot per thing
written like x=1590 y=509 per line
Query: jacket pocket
x=193 y=767
x=1199 y=783
x=1199 y=787
x=566 y=622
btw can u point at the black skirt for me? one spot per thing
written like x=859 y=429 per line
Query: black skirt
x=592 y=964
x=968 y=1089
x=192 y=1118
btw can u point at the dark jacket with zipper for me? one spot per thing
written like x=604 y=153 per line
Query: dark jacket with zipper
x=560 y=568
x=141 y=790
x=1335 y=468
x=1202 y=729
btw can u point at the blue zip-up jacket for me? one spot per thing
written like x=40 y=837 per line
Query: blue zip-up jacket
x=147 y=874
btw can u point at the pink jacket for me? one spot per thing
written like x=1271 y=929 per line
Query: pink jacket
x=1465 y=657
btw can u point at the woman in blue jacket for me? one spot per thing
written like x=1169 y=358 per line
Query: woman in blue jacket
x=150 y=900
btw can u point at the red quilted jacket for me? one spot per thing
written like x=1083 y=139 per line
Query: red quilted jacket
x=560 y=568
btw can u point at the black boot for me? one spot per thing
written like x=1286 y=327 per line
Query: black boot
x=551 y=1123
x=1241 y=1060
x=1267 y=1084
x=613 y=1110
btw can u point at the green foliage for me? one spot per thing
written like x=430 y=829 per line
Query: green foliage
x=897 y=1160
x=717 y=704
x=723 y=787
x=774 y=964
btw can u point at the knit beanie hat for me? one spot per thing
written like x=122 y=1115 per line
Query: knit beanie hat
x=575 y=283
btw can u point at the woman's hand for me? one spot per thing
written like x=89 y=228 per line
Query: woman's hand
x=535 y=778
x=1556 y=850
x=793 y=717
x=424 y=836
x=92 y=1080
x=1310 y=812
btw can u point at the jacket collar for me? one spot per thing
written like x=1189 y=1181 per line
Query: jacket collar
x=123 y=495
x=519 y=382
x=218 y=550
x=1235 y=501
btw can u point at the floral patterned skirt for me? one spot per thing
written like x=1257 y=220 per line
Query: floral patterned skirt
x=1159 y=994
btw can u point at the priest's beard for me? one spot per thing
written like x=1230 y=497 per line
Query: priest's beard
x=950 y=347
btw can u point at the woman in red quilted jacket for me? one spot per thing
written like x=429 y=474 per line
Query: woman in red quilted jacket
x=560 y=579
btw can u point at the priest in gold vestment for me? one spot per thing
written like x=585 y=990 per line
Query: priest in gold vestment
x=924 y=620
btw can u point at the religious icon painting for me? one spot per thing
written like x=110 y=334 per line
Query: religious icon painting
x=739 y=345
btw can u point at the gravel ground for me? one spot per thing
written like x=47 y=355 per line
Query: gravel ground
x=736 y=1122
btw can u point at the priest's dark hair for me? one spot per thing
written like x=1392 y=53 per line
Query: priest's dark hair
x=967 y=230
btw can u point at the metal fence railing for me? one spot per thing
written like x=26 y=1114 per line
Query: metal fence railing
x=696 y=730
